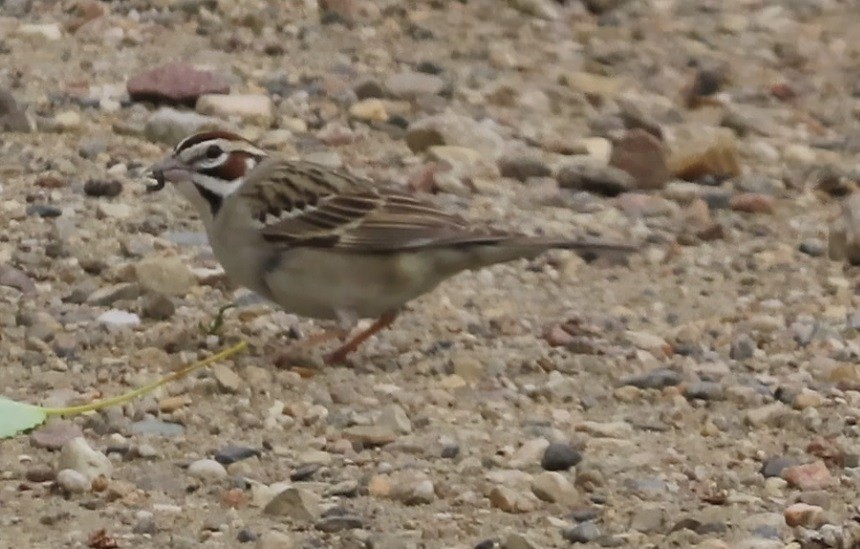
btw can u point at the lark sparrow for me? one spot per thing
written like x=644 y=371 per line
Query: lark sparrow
x=325 y=244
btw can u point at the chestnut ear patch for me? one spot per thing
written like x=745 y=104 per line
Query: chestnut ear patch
x=233 y=168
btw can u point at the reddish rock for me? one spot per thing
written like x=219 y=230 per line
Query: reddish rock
x=752 y=203
x=801 y=514
x=812 y=476
x=55 y=434
x=175 y=83
x=643 y=156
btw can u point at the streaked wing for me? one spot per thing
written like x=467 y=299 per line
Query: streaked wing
x=302 y=204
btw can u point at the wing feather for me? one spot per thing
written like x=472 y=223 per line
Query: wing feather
x=303 y=204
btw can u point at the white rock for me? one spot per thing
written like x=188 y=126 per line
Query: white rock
x=47 y=31
x=394 y=417
x=73 y=482
x=164 y=275
x=170 y=126
x=78 y=456
x=67 y=120
x=554 y=487
x=113 y=210
x=118 y=319
x=249 y=107
x=207 y=470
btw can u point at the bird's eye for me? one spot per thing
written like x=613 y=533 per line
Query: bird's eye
x=214 y=151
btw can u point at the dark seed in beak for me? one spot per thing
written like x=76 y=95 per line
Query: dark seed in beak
x=158 y=175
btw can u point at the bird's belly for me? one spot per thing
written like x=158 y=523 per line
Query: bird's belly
x=326 y=285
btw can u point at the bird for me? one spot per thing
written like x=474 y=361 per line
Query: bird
x=326 y=244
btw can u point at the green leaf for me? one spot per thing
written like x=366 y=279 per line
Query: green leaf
x=17 y=417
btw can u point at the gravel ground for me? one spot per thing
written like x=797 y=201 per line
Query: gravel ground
x=704 y=393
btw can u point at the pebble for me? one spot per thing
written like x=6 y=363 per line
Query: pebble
x=409 y=85
x=174 y=83
x=370 y=435
x=372 y=110
x=811 y=476
x=73 y=482
x=596 y=177
x=77 y=455
x=207 y=470
x=655 y=379
x=295 y=503
x=13 y=117
x=643 y=156
x=251 y=108
x=560 y=456
x=232 y=454
x=339 y=523
x=44 y=31
x=170 y=126
x=393 y=417
x=522 y=166
x=113 y=210
x=228 y=380
x=704 y=390
x=155 y=306
x=164 y=275
x=55 y=434
x=454 y=130
x=754 y=203
x=115 y=319
x=743 y=347
x=276 y=540
x=554 y=487
x=157 y=428
x=108 y=188
x=585 y=532
x=802 y=514
x=648 y=520
x=509 y=501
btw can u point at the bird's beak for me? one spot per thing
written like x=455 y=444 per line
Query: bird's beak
x=168 y=169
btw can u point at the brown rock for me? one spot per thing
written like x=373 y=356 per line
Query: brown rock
x=801 y=514
x=701 y=151
x=55 y=434
x=16 y=278
x=811 y=476
x=643 y=156
x=752 y=203
x=175 y=83
x=510 y=501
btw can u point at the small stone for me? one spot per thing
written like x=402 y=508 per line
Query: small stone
x=253 y=108
x=752 y=203
x=295 y=503
x=523 y=166
x=560 y=456
x=372 y=110
x=509 y=501
x=246 y=536
x=807 y=398
x=455 y=130
x=802 y=514
x=55 y=434
x=113 y=210
x=16 y=278
x=276 y=540
x=529 y=453
x=46 y=31
x=169 y=126
x=176 y=83
x=115 y=319
x=614 y=429
x=813 y=247
x=228 y=380
x=642 y=156
x=594 y=176
x=468 y=367
x=164 y=275
x=585 y=532
x=704 y=390
x=414 y=491
x=379 y=486
x=743 y=347
x=553 y=487
x=700 y=151
x=102 y=187
x=73 y=482
x=44 y=210
x=108 y=295
x=13 y=117
x=655 y=379
x=207 y=470
x=517 y=541
x=408 y=85
x=648 y=520
x=811 y=476
x=156 y=306
x=40 y=474
x=769 y=414
x=370 y=435
x=77 y=455
x=339 y=523
x=157 y=428
x=394 y=418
